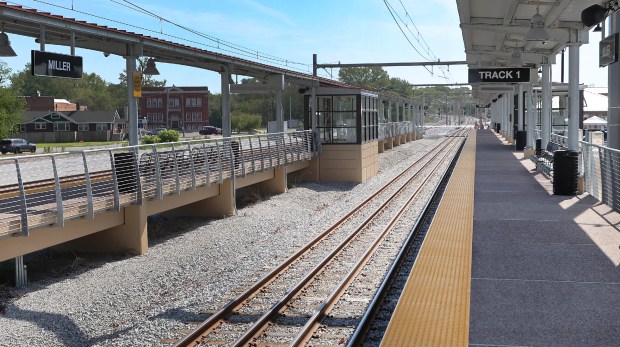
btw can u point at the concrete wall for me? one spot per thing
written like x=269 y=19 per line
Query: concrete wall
x=349 y=163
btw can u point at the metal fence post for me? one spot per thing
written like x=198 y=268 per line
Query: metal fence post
x=60 y=219
x=90 y=212
x=22 y=199
x=117 y=205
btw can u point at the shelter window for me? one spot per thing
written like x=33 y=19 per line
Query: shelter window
x=40 y=125
x=83 y=127
x=102 y=126
x=337 y=118
x=22 y=128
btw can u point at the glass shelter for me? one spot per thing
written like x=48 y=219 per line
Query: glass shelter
x=344 y=116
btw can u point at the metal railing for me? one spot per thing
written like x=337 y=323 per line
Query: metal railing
x=392 y=129
x=43 y=190
x=600 y=167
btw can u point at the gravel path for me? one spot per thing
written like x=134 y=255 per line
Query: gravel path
x=192 y=266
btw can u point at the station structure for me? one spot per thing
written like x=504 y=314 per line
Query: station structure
x=519 y=264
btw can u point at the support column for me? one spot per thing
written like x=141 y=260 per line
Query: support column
x=132 y=109
x=573 y=95
x=531 y=117
x=545 y=122
x=225 y=84
x=519 y=119
x=278 y=83
x=613 y=115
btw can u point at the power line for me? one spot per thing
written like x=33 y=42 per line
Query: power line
x=209 y=37
x=229 y=48
x=419 y=38
x=394 y=15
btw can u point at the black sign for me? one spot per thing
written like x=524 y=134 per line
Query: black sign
x=608 y=50
x=501 y=75
x=56 y=65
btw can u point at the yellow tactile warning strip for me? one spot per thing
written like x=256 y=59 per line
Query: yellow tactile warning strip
x=433 y=309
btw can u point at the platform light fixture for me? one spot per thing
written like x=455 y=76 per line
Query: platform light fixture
x=150 y=68
x=515 y=59
x=537 y=31
x=5 y=45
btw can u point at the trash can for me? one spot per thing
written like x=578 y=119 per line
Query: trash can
x=498 y=127
x=538 y=147
x=521 y=138
x=565 y=172
x=125 y=167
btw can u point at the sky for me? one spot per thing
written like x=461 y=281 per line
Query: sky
x=346 y=31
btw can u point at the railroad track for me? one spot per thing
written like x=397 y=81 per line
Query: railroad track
x=320 y=292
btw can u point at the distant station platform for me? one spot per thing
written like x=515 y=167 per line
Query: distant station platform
x=529 y=269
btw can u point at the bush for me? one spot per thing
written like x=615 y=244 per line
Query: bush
x=245 y=121
x=168 y=136
x=150 y=139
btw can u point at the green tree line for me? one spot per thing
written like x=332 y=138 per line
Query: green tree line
x=249 y=111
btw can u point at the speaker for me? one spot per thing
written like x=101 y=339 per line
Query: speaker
x=593 y=15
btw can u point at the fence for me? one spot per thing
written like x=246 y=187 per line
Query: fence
x=600 y=168
x=42 y=190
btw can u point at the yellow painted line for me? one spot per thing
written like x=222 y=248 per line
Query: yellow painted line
x=433 y=309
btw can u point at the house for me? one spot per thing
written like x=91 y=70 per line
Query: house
x=49 y=103
x=180 y=108
x=72 y=126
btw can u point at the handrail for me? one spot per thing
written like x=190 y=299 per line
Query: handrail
x=83 y=183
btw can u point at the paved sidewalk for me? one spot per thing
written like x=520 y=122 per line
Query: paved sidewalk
x=545 y=268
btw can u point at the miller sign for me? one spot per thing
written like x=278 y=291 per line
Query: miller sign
x=56 y=65
x=500 y=75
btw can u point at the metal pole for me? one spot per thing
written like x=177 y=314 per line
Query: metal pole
x=613 y=70
x=132 y=117
x=545 y=129
x=520 y=120
x=573 y=95
x=226 y=120
x=531 y=117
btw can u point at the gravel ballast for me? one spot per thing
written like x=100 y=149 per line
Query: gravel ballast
x=193 y=266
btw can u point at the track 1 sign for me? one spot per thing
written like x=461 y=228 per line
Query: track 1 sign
x=500 y=75
x=56 y=65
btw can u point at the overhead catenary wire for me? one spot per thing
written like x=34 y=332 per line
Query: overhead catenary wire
x=224 y=46
x=429 y=55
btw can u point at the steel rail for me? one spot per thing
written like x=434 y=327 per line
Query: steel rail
x=308 y=329
x=374 y=305
x=212 y=322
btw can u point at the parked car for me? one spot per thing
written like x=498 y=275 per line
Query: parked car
x=155 y=131
x=210 y=130
x=16 y=146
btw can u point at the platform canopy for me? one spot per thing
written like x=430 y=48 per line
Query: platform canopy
x=595 y=120
x=494 y=31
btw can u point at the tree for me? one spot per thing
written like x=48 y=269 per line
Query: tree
x=5 y=73
x=10 y=111
x=91 y=90
x=215 y=110
x=374 y=78
x=245 y=121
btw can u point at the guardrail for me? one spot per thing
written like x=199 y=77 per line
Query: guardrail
x=392 y=129
x=600 y=167
x=42 y=190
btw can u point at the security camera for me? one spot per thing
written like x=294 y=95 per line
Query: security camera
x=106 y=54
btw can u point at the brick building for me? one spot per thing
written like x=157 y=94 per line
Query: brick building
x=175 y=107
x=49 y=103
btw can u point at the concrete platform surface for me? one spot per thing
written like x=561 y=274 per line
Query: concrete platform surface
x=545 y=268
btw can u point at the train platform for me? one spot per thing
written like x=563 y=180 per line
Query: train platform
x=543 y=269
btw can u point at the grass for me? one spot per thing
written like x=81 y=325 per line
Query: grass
x=81 y=144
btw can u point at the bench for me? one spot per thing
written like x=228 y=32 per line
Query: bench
x=544 y=161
